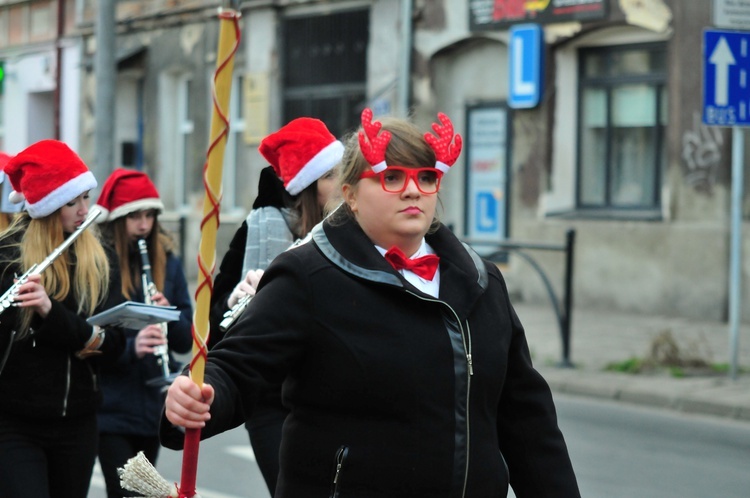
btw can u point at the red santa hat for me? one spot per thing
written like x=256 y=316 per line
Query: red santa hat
x=301 y=152
x=47 y=175
x=127 y=191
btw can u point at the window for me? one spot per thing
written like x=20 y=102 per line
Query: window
x=325 y=66
x=175 y=137
x=236 y=169
x=192 y=173
x=621 y=121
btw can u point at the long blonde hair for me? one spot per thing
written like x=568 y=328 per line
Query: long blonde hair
x=40 y=236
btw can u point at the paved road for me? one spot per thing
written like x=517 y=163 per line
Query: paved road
x=226 y=469
x=622 y=451
x=618 y=451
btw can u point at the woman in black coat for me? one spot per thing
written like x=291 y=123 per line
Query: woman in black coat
x=406 y=376
x=292 y=194
x=49 y=384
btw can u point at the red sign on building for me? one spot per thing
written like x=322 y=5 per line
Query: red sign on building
x=499 y=14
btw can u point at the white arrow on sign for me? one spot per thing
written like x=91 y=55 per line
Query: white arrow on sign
x=520 y=86
x=722 y=58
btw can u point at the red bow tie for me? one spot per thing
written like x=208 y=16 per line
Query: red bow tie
x=425 y=266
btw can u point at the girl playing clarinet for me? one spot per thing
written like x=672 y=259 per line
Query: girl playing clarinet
x=133 y=385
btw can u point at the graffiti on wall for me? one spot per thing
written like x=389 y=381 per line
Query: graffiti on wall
x=701 y=153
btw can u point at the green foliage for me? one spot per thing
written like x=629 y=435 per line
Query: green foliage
x=631 y=365
x=666 y=355
x=677 y=372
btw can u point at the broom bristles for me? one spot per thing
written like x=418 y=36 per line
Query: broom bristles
x=140 y=476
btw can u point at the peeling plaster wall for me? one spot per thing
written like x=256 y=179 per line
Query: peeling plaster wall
x=678 y=265
x=675 y=266
x=468 y=73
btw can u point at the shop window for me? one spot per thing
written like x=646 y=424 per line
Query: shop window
x=621 y=121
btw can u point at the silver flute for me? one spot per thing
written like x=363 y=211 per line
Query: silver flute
x=149 y=291
x=6 y=300
x=234 y=312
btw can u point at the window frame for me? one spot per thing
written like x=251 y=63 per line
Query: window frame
x=184 y=131
x=235 y=140
x=656 y=80
x=341 y=93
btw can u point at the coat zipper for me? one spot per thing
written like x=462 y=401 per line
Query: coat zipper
x=67 y=390
x=341 y=455
x=467 y=347
x=466 y=340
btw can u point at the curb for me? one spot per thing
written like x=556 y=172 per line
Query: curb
x=712 y=396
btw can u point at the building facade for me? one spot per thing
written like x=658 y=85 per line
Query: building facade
x=614 y=148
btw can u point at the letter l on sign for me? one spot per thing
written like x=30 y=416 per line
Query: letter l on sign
x=525 y=62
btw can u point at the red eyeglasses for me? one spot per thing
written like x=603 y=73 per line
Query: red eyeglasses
x=394 y=179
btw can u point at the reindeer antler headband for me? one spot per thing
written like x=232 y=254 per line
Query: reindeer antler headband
x=446 y=145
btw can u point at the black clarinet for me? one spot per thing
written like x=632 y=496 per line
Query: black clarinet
x=149 y=290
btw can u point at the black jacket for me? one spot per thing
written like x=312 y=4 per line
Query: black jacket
x=229 y=275
x=43 y=378
x=271 y=193
x=393 y=393
x=131 y=405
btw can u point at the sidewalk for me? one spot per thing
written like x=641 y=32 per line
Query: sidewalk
x=599 y=338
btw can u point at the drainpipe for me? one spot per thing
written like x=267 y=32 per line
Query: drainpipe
x=104 y=70
x=404 y=87
x=58 y=67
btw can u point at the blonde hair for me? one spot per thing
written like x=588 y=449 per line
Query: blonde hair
x=5 y=220
x=158 y=242
x=40 y=237
x=407 y=147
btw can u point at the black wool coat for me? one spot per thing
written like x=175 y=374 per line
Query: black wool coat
x=43 y=378
x=393 y=393
x=131 y=405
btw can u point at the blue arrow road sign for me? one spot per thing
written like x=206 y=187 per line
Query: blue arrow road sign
x=726 y=90
x=525 y=58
